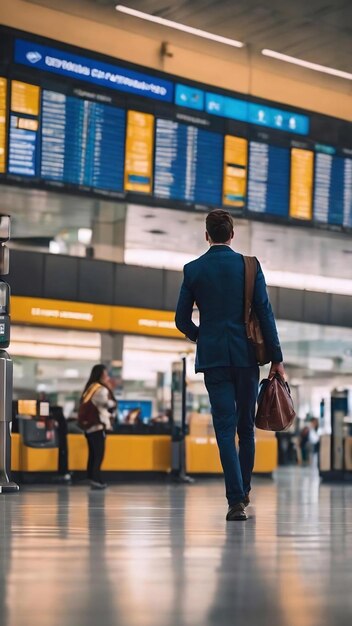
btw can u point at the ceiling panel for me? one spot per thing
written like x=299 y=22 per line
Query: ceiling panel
x=318 y=30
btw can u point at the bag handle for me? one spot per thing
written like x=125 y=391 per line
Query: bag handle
x=250 y=273
x=283 y=382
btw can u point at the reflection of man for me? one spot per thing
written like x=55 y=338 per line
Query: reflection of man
x=215 y=282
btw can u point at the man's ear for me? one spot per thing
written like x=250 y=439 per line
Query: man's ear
x=232 y=234
x=206 y=236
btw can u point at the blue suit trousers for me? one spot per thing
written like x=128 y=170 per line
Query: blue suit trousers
x=233 y=393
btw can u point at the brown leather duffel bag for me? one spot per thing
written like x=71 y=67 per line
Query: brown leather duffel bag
x=275 y=405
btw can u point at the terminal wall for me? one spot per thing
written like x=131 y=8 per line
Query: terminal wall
x=75 y=279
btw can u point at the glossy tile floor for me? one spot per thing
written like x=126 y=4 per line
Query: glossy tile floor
x=163 y=555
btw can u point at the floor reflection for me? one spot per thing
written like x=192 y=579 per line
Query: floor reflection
x=163 y=555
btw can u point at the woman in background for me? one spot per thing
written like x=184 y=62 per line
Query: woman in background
x=97 y=407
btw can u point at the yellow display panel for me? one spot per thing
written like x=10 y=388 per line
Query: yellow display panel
x=24 y=98
x=81 y=315
x=301 y=184
x=235 y=171
x=3 y=92
x=139 y=152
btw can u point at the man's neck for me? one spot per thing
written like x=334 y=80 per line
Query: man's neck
x=226 y=243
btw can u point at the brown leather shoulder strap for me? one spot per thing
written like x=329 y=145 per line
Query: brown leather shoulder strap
x=250 y=273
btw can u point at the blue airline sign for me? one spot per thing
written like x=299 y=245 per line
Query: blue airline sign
x=92 y=71
x=189 y=97
x=259 y=114
x=122 y=79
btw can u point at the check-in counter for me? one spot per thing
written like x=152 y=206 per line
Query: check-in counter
x=124 y=453
x=326 y=469
x=202 y=456
x=143 y=453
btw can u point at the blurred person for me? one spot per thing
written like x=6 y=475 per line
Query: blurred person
x=97 y=407
x=215 y=282
x=314 y=440
x=304 y=444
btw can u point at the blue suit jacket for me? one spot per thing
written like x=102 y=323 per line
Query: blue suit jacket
x=215 y=282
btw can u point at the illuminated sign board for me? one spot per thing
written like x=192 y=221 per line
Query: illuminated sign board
x=139 y=152
x=80 y=122
x=235 y=171
x=301 y=184
x=92 y=71
x=3 y=100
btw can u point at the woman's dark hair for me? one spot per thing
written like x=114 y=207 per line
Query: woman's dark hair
x=219 y=225
x=95 y=375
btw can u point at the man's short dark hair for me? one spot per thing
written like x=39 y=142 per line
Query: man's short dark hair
x=219 y=225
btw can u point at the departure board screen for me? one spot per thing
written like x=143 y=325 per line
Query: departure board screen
x=301 y=187
x=23 y=139
x=76 y=121
x=333 y=190
x=139 y=152
x=24 y=98
x=235 y=171
x=82 y=142
x=268 y=179
x=3 y=102
x=188 y=163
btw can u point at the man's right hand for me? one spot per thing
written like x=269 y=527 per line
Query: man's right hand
x=277 y=368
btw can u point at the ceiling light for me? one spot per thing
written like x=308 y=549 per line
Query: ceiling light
x=177 y=26
x=307 y=64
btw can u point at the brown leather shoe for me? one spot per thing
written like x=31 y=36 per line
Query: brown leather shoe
x=246 y=500
x=236 y=513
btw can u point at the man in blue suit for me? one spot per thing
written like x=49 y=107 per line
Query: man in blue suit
x=215 y=283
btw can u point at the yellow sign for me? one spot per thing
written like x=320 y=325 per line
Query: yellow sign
x=60 y=313
x=144 y=322
x=301 y=184
x=27 y=407
x=139 y=152
x=98 y=317
x=3 y=92
x=24 y=98
x=235 y=171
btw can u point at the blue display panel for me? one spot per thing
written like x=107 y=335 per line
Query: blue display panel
x=132 y=411
x=232 y=108
x=347 y=193
x=268 y=179
x=93 y=71
x=333 y=190
x=82 y=142
x=189 y=97
x=262 y=115
x=188 y=163
x=22 y=147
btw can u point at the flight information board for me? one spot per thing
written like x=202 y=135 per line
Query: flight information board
x=77 y=121
x=235 y=171
x=3 y=102
x=23 y=139
x=301 y=184
x=333 y=190
x=268 y=179
x=139 y=152
x=82 y=142
x=188 y=163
